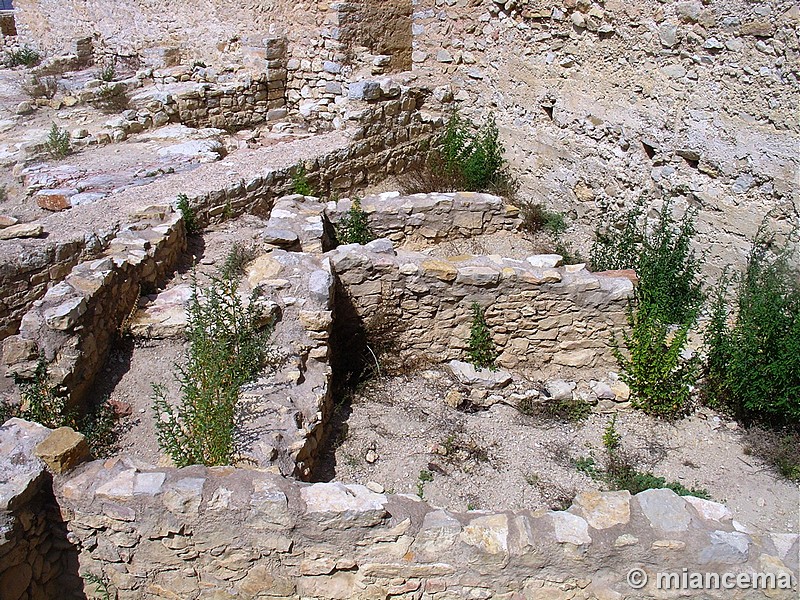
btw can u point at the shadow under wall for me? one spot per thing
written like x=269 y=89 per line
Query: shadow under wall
x=44 y=563
x=350 y=364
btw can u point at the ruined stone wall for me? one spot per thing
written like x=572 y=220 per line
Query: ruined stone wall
x=385 y=137
x=37 y=562
x=151 y=532
x=545 y=318
x=599 y=101
x=74 y=324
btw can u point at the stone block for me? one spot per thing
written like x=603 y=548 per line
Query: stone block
x=63 y=450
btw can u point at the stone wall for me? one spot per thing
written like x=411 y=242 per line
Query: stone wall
x=431 y=218
x=599 y=101
x=37 y=561
x=153 y=532
x=75 y=322
x=385 y=137
x=542 y=317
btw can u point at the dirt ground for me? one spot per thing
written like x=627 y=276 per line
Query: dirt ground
x=400 y=427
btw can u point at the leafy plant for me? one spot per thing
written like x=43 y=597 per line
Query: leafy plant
x=108 y=72
x=753 y=364
x=353 y=227
x=25 y=56
x=189 y=217
x=480 y=350
x=572 y=410
x=425 y=476
x=101 y=584
x=667 y=267
x=227 y=347
x=473 y=157
x=654 y=365
x=58 y=142
x=42 y=403
x=300 y=184
x=237 y=259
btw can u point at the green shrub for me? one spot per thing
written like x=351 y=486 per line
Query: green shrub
x=667 y=267
x=781 y=449
x=58 y=142
x=753 y=365
x=353 y=227
x=621 y=474
x=25 y=56
x=472 y=158
x=190 y=221
x=535 y=217
x=108 y=72
x=42 y=403
x=653 y=364
x=300 y=184
x=237 y=259
x=480 y=350
x=572 y=410
x=227 y=347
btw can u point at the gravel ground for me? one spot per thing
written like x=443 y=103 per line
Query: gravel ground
x=501 y=459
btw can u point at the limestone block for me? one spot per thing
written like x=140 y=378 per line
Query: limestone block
x=469 y=375
x=65 y=315
x=604 y=509
x=63 y=450
x=341 y=506
x=665 y=510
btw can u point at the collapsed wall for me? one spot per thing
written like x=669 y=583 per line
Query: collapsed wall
x=149 y=532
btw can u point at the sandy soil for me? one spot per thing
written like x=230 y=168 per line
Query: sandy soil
x=502 y=459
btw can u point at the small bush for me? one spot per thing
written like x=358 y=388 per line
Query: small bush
x=568 y=254
x=667 y=267
x=573 y=410
x=237 y=259
x=653 y=364
x=353 y=227
x=620 y=472
x=41 y=403
x=108 y=72
x=300 y=184
x=111 y=98
x=535 y=217
x=465 y=158
x=190 y=221
x=480 y=350
x=753 y=365
x=226 y=348
x=781 y=449
x=58 y=142
x=25 y=56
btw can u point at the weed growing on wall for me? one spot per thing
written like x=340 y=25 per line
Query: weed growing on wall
x=481 y=351
x=227 y=347
x=190 y=221
x=300 y=184
x=41 y=403
x=353 y=227
x=536 y=217
x=108 y=72
x=237 y=260
x=464 y=158
x=662 y=256
x=753 y=363
x=58 y=142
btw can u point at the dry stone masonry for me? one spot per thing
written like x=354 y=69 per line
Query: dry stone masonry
x=233 y=533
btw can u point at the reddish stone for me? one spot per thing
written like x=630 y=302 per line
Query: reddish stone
x=627 y=273
x=121 y=409
x=55 y=202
